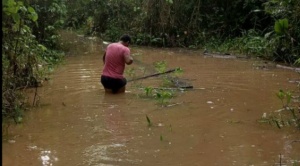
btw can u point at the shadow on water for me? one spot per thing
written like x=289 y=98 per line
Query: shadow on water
x=77 y=123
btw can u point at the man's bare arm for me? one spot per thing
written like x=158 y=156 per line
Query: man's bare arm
x=128 y=60
x=103 y=58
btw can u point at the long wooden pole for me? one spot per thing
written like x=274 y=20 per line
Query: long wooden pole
x=152 y=75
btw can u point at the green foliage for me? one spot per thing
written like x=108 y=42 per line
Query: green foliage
x=251 y=43
x=170 y=1
x=285 y=97
x=52 y=57
x=148 y=90
x=17 y=11
x=163 y=96
x=281 y=26
x=24 y=57
x=268 y=29
x=285 y=15
x=51 y=17
x=297 y=62
x=178 y=71
x=287 y=116
x=131 y=72
x=19 y=47
x=113 y=33
x=160 y=66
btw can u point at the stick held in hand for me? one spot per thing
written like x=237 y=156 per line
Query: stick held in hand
x=153 y=75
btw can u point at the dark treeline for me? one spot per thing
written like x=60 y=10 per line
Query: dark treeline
x=265 y=28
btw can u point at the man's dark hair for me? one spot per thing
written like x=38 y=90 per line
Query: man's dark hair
x=125 y=38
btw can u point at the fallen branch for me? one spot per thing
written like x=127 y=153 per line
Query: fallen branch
x=153 y=75
x=288 y=67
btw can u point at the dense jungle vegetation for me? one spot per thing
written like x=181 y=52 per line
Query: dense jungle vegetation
x=268 y=29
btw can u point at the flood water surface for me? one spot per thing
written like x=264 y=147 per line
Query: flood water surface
x=215 y=123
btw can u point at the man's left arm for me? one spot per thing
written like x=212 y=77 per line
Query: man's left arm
x=103 y=58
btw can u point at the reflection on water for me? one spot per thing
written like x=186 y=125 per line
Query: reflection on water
x=99 y=153
x=47 y=158
x=215 y=123
x=114 y=118
x=115 y=124
x=113 y=154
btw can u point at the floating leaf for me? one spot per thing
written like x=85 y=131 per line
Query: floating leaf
x=280 y=94
x=149 y=121
x=170 y=128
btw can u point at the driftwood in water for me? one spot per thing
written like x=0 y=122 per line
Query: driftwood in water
x=180 y=83
x=152 y=75
x=288 y=67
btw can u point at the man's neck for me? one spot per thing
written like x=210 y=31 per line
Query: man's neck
x=124 y=43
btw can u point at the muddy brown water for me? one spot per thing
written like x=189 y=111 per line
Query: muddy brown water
x=76 y=123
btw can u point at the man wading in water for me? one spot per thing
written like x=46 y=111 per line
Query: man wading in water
x=115 y=57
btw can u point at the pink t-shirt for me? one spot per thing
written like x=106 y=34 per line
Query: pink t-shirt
x=115 y=60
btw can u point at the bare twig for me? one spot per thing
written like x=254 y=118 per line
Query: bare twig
x=35 y=94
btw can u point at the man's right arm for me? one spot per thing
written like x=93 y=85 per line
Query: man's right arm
x=128 y=60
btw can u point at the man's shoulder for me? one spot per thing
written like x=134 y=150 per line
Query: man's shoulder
x=116 y=44
x=112 y=44
x=119 y=46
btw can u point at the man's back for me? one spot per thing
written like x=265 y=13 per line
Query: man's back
x=115 y=60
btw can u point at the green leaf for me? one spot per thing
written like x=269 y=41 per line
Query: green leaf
x=284 y=23
x=31 y=10
x=277 y=28
x=280 y=94
x=42 y=47
x=149 y=121
x=16 y=17
x=297 y=61
x=33 y=17
x=281 y=26
x=10 y=3
x=161 y=138
x=288 y=97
